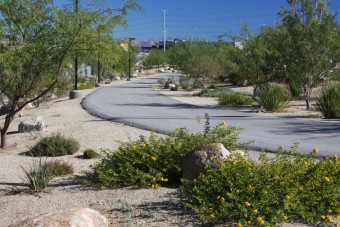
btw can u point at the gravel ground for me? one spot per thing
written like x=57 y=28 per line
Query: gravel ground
x=123 y=207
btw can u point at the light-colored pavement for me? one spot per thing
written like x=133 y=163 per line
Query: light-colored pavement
x=137 y=104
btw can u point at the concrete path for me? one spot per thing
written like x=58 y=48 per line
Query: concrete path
x=135 y=103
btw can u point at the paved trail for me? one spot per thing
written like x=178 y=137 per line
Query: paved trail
x=136 y=103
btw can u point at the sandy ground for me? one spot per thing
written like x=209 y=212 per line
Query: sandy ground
x=127 y=207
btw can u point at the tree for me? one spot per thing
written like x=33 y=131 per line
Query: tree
x=156 y=57
x=37 y=42
x=309 y=42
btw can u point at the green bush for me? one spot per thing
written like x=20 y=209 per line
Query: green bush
x=85 y=86
x=267 y=192
x=59 y=167
x=272 y=97
x=55 y=145
x=90 y=154
x=295 y=89
x=81 y=79
x=235 y=99
x=93 y=80
x=215 y=92
x=154 y=161
x=38 y=176
x=328 y=101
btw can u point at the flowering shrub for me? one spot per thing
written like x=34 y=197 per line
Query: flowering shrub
x=155 y=161
x=268 y=191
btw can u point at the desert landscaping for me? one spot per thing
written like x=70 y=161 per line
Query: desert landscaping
x=122 y=207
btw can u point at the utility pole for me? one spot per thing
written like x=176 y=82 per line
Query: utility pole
x=164 y=30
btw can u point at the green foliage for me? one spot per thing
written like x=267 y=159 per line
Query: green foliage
x=215 y=92
x=58 y=167
x=81 y=79
x=154 y=161
x=328 y=101
x=295 y=89
x=236 y=99
x=90 y=154
x=55 y=145
x=85 y=86
x=267 y=192
x=272 y=97
x=38 y=176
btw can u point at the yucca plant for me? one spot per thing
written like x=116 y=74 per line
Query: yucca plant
x=295 y=89
x=38 y=176
x=273 y=97
x=328 y=101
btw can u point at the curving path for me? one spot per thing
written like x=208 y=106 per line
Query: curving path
x=135 y=103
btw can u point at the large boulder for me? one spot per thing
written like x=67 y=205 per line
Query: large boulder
x=193 y=164
x=32 y=124
x=84 y=217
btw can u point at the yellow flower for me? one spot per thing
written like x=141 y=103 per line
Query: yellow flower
x=153 y=158
x=255 y=211
x=336 y=157
x=323 y=217
x=288 y=197
x=135 y=186
x=338 y=217
x=329 y=219
x=239 y=225
x=248 y=222
x=262 y=222
x=237 y=191
x=247 y=204
x=285 y=217
x=306 y=163
x=281 y=147
x=165 y=179
x=218 y=197
x=134 y=147
x=222 y=199
x=144 y=145
x=337 y=225
x=224 y=123
x=212 y=216
x=152 y=186
x=330 y=211
x=246 y=215
x=327 y=179
x=315 y=150
x=228 y=194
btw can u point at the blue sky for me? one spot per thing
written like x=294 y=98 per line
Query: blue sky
x=199 y=19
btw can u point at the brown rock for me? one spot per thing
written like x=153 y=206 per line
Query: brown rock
x=193 y=164
x=77 y=217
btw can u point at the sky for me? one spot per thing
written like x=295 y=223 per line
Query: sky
x=199 y=19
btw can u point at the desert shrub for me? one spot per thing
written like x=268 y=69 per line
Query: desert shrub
x=295 y=89
x=235 y=99
x=197 y=83
x=215 y=92
x=184 y=82
x=154 y=161
x=272 y=97
x=90 y=154
x=85 y=86
x=93 y=80
x=267 y=192
x=161 y=81
x=328 y=101
x=81 y=79
x=38 y=176
x=235 y=78
x=55 y=145
x=59 y=167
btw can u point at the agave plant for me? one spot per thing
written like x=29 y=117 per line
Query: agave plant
x=272 y=97
x=328 y=101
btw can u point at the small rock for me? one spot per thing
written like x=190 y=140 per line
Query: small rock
x=193 y=164
x=84 y=217
x=33 y=124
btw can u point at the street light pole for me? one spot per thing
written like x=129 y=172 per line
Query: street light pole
x=129 y=52
x=75 y=93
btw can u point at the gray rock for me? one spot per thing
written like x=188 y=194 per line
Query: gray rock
x=32 y=124
x=84 y=217
x=193 y=164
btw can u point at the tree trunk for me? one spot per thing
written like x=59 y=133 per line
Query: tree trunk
x=308 y=93
x=8 y=121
